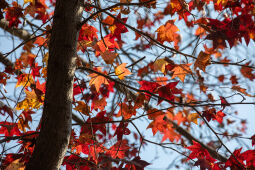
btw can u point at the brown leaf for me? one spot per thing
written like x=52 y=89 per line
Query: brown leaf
x=202 y=61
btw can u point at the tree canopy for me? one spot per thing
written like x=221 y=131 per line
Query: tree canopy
x=85 y=84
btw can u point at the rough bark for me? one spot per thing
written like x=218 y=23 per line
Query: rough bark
x=53 y=140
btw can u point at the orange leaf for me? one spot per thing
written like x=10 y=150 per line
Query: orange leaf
x=242 y=90
x=179 y=117
x=97 y=80
x=181 y=71
x=200 y=32
x=99 y=104
x=16 y=165
x=121 y=71
x=167 y=32
x=83 y=108
x=162 y=80
x=127 y=111
x=193 y=117
x=40 y=41
x=202 y=61
x=25 y=80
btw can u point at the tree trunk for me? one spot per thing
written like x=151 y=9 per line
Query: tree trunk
x=53 y=140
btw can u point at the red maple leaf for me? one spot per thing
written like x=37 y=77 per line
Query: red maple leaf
x=13 y=14
x=168 y=91
x=118 y=149
x=199 y=152
x=122 y=130
x=148 y=86
x=9 y=129
x=120 y=28
x=224 y=102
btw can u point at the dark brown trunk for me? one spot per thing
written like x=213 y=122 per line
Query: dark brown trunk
x=53 y=140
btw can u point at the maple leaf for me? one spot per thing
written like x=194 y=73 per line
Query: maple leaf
x=13 y=14
x=241 y=90
x=40 y=41
x=98 y=104
x=109 y=56
x=200 y=32
x=224 y=102
x=181 y=71
x=9 y=129
x=170 y=134
x=167 y=32
x=180 y=118
x=36 y=71
x=118 y=149
x=30 y=102
x=203 y=163
x=162 y=80
x=209 y=114
x=249 y=157
x=219 y=116
x=121 y=130
x=158 y=124
x=97 y=80
x=232 y=161
x=83 y=108
x=88 y=33
x=31 y=1
x=247 y=72
x=126 y=110
x=24 y=80
x=202 y=61
x=23 y=124
x=119 y=27
x=199 y=152
x=168 y=91
x=27 y=58
x=160 y=65
x=16 y=165
x=193 y=117
x=121 y=71
x=148 y=86
x=91 y=128
x=3 y=78
x=108 y=43
x=5 y=109
x=138 y=164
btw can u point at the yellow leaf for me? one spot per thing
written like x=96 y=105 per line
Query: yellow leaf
x=16 y=165
x=181 y=71
x=25 y=80
x=193 y=117
x=97 y=81
x=109 y=56
x=27 y=1
x=202 y=61
x=121 y=71
x=160 y=65
x=30 y=102
x=83 y=108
